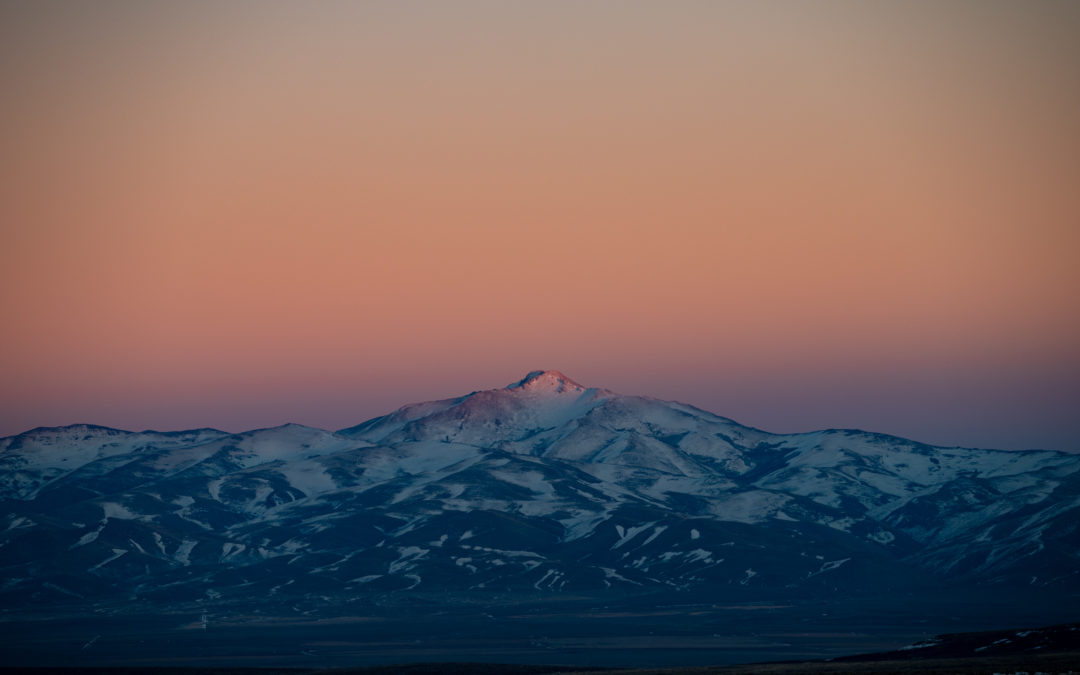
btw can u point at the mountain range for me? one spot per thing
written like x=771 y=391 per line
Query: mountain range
x=542 y=487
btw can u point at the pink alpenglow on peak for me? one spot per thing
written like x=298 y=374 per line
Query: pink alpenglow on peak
x=547 y=381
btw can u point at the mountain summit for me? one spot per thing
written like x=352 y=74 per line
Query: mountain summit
x=547 y=381
x=544 y=486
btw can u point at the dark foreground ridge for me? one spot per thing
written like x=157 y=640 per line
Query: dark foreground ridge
x=1027 y=641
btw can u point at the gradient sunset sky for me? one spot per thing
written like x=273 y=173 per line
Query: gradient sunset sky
x=796 y=214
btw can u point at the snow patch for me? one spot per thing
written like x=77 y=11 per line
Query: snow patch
x=308 y=477
x=656 y=533
x=117 y=552
x=118 y=511
x=512 y=554
x=365 y=579
x=406 y=560
x=829 y=566
x=555 y=577
x=612 y=574
x=214 y=488
x=582 y=524
x=882 y=537
x=229 y=549
x=627 y=534
x=86 y=539
x=183 y=552
x=921 y=645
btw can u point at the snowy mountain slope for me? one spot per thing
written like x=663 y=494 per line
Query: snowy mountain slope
x=540 y=487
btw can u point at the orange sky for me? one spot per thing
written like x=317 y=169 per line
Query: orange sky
x=798 y=215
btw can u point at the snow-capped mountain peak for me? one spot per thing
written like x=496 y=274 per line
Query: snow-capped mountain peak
x=547 y=381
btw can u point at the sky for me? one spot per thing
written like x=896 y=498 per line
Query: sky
x=797 y=215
